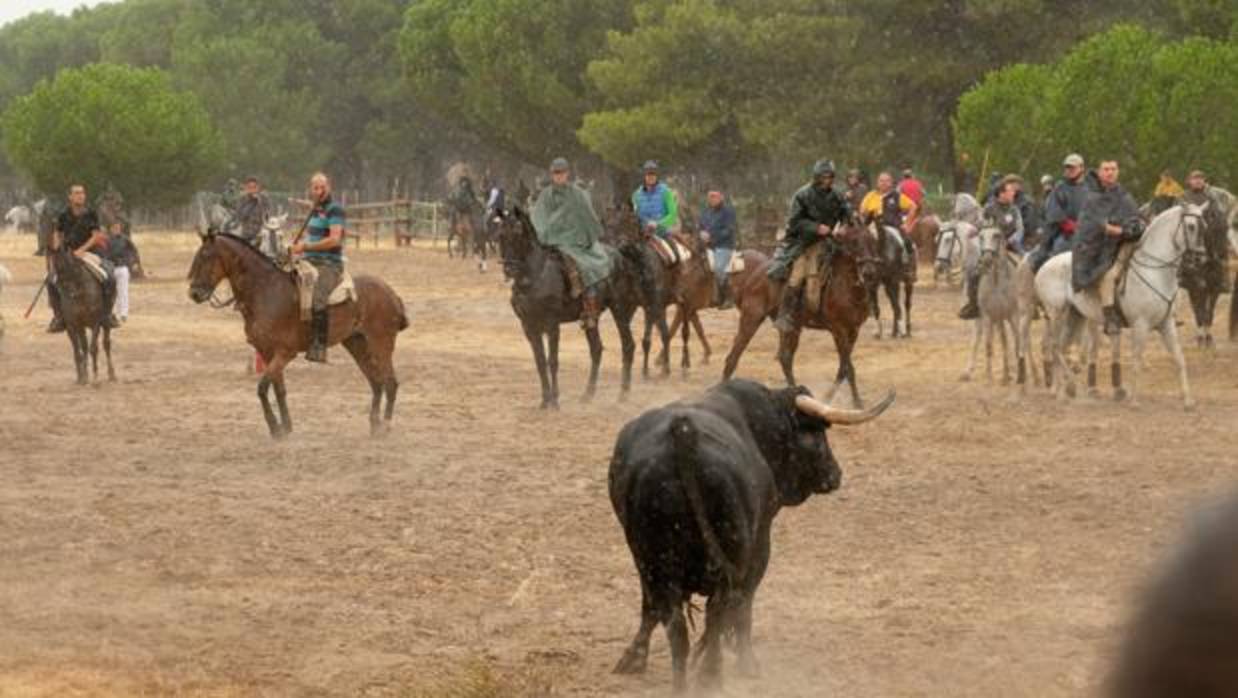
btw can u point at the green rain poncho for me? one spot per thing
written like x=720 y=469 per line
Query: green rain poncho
x=564 y=219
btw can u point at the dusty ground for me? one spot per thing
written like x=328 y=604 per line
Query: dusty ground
x=154 y=541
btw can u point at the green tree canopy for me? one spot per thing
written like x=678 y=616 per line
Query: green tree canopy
x=1130 y=94
x=103 y=124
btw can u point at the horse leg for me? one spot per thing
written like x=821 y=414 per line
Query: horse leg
x=627 y=344
x=686 y=362
x=645 y=344
x=1065 y=324
x=852 y=336
x=79 y=355
x=1213 y=297
x=874 y=308
x=788 y=343
x=977 y=335
x=1047 y=352
x=708 y=351
x=1115 y=368
x=665 y=334
x=749 y=323
x=988 y=349
x=279 y=361
x=534 y=335
x=1169 y=337
x=1001 y=327
x=94 y=353
x=107 y=352
x=359 y=348
x=552 y=361
x=896 y=307
x=676 y=322
x=908 y=288
x=595 y=361
x=264 y=389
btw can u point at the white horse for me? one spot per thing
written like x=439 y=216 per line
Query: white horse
x=955 y=245
x=999 y=305
x=20 y=219
x=1147 y=292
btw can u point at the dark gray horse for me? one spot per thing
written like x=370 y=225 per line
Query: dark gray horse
x=81 y=308
x=896 y=271
x=542 y=302
x=657 y=281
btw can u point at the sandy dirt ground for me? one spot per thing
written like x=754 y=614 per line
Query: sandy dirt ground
x=155 y=541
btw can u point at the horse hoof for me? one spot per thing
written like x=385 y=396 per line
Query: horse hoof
x=631 y=662
x=1119 y=395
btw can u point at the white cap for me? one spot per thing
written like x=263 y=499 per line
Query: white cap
x=1073 y=160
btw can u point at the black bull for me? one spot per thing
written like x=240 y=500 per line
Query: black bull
x=696 y=486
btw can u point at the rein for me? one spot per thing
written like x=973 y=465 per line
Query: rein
x=1158 y=264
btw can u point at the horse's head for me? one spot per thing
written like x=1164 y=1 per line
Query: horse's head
x=992 y=242
x=1193 y=228
x=516 y=240
x=857 y=242
x=207 y=269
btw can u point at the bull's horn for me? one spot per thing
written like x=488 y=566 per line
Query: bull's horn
x=837 y=415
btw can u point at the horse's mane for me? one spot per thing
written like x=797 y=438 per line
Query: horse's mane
x=251 y=250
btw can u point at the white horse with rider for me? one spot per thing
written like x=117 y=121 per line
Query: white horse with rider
x=1148 y=290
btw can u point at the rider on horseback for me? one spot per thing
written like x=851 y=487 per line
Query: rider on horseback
x=816 y=210
x=1001 y=213
x=655 y=204
x=564 y=219
x=252 y=211
x=1108 y=225
x=1215 y=239
x=78 y=226
x=1062 y=208
x=892 y=209
x=323 y=248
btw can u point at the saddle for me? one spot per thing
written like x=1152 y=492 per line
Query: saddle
x=307 y=277
x=670 y=257
x=98 y=267
x=809 y=271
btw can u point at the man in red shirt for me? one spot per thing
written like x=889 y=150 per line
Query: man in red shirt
x=911 y=188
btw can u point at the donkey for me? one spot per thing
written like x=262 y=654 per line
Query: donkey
x=1149 y=289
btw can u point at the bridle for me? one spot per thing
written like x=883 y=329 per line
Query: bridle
x=1181 y=247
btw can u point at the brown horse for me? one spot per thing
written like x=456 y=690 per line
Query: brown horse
x=657 y=281
x=843 y=309
x=268 y=299
x=694 y=291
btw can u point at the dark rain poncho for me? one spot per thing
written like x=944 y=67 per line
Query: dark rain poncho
x=564 y=219
x=1094 y=251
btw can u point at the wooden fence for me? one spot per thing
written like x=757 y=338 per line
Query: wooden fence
x=402 y=219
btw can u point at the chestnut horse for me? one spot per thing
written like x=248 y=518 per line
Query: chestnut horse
x=269 y=300
x=843 y=309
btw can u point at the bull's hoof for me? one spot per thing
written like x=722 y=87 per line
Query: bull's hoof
x=1120 y=395
x=633 y=661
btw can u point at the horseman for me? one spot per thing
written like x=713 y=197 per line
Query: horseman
x=656 y=206
x=1168 y=193
x=564 y=219
x=323 y=248
x=1062 y=210
x=912 y=187
x=816 y=211
x=252 y=211
x=894 y=211
x=79 y=230
x=496 y=204
x=1109 y=225
x=1001 y=213
x=720 y=231
x=1198 y=193
x=230 y=195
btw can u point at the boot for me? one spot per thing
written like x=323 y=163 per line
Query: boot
x=1113 y=323
x=590 y=309
x=789 y=311
x=318 y=337
x=971 y=310
x=53 y=299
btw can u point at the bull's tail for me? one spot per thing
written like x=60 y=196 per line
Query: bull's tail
x=686 y=442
